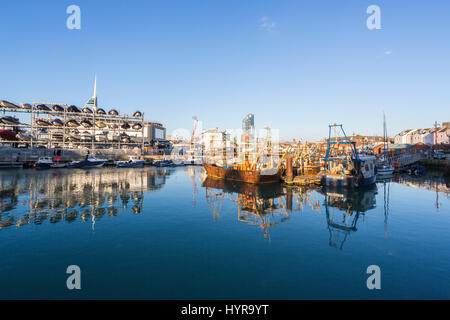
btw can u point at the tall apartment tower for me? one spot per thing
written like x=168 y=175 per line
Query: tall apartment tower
x=248 y=124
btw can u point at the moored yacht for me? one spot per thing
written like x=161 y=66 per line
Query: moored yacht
x=132 y=163
x=89 y=162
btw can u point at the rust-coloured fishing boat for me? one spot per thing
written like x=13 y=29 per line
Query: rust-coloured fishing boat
x=248 y=176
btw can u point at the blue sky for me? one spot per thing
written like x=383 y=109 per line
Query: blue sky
x=297 y=65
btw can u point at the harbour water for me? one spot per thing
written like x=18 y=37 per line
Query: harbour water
x=161 y=233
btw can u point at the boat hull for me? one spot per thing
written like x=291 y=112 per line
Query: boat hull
x=240 y=175
x=86 y=164
x=38 y=165
x=338 y=181
x=385 y=172
x=134 y=164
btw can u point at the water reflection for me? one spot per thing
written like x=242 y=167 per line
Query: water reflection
x=62 y=195
x=266 y=206
x=433 y=181
x=260 y=206
x=351 y=205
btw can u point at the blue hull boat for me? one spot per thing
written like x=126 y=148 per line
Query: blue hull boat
x=163 y=163
x=89 y=162
x=130 y=164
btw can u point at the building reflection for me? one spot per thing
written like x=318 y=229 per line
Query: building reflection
x=432 y=181
x=63 y=195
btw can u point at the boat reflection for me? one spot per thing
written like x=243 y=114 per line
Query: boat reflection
x=63 y=195
x=271 y=204
x=350 y=205
x=259 y=205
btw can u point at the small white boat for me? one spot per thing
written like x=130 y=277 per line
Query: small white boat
x=43 y=163
x=58 y=165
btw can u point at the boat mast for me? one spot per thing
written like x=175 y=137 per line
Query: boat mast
x=386 y=145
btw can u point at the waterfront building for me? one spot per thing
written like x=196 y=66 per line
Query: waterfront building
x=427 y=136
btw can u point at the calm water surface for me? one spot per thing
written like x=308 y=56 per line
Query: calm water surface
x=163 y=234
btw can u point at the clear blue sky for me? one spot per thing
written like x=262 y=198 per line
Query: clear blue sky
x=307 y=64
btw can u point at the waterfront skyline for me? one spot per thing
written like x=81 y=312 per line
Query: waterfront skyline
x=297 y=66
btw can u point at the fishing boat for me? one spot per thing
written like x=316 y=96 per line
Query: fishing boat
x=264 y=175
x=42 y=107
x=90 y=162
x=137 y=126
x=384 y=166
x=132 y=163
x=43 y=122
x=10 y=120
x=113 y=112
x=346 y=170
x=87 y=110
x=58 y=108
x=257 y=168
x=101 y=111
x=86 y=123
x=137 y=114
x=7 y=104
x=73 y=109
x=25 y=106
x=57 y=123
x=72 y=123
